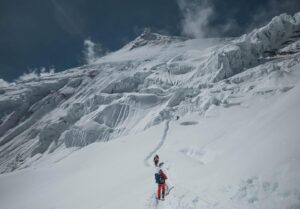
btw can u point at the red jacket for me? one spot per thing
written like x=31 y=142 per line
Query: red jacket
x=163 y=175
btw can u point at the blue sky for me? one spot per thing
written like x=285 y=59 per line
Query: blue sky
x=51 y=33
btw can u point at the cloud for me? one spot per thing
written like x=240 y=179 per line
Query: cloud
x=92 y=51
x=196 y=16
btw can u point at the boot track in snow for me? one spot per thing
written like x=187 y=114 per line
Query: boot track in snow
x=159 y=145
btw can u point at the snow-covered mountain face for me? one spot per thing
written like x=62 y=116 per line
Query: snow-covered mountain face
x=153 y=79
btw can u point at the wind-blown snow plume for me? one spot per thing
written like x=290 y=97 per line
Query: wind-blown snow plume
x=36 y=73
x=197 y=21
x=92 y=51
x=45 y=72
x=196 y=17
x=3 y=83
x=29 y=76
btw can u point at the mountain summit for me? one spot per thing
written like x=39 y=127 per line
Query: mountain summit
x=152 y=39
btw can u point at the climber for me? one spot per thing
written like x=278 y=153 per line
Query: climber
x=156 y=160
x=160 y=178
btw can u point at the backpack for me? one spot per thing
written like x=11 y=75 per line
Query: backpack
x=156 y=177
x=159 y=179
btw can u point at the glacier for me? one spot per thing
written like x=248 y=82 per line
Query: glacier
x=172 y=85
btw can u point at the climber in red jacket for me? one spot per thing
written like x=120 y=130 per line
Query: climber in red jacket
x=156 y=160
x=161 y=178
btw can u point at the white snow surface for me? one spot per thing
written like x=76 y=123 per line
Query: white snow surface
x=235 y=145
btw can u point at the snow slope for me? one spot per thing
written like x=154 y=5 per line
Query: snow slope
x=235 y=145
x=250 y=160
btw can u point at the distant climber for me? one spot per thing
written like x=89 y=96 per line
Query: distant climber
x=156 y=160
x=177 y=117
x=160 y=178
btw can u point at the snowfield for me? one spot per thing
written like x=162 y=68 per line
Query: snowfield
x=235 y=145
